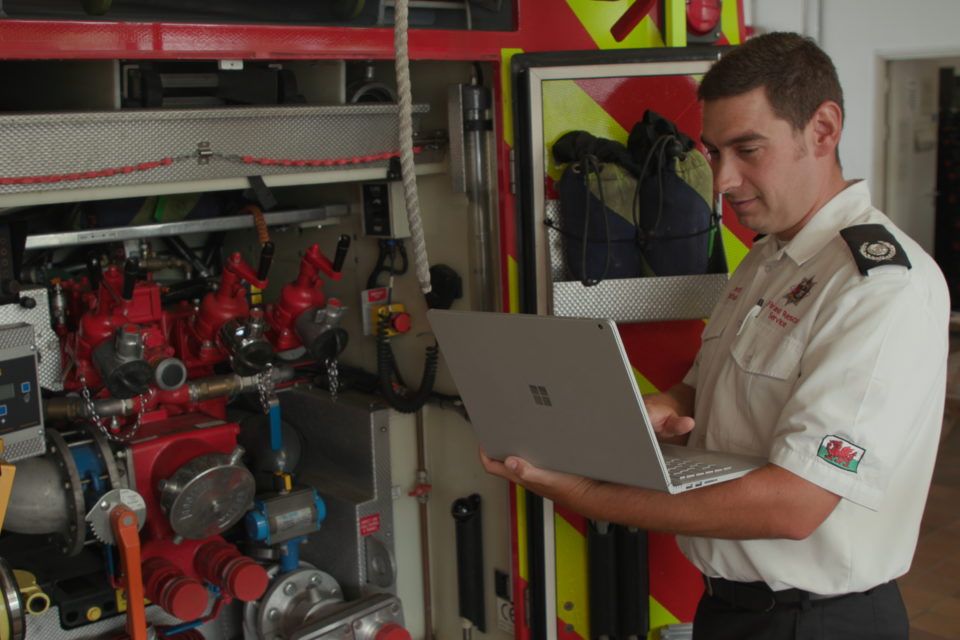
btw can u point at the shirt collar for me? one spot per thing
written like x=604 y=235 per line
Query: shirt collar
x=838 y=213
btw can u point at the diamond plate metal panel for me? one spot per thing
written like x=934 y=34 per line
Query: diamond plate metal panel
x=641 y=299
x=555 y=244
x=48 y=345
x=346 y=456
x=63 y=143
x=628 y=299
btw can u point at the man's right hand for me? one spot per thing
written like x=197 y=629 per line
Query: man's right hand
x=670 y=413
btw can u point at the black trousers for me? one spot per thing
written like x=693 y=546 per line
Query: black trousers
x=878 y=614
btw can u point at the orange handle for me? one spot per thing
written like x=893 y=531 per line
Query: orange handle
x=123 y=523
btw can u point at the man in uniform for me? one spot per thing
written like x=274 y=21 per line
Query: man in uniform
x=826 y=354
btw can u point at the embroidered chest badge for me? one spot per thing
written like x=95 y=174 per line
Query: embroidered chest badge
x=841 y=453
x=799 y=292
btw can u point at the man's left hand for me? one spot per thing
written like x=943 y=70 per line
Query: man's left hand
x=560 y=487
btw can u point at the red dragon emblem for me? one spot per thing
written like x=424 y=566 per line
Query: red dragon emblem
x=839 y=453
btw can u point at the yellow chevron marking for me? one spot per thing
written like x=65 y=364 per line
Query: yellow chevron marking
x=572 y=592
x=659 y=617
x=567 y=107
x=506 y=93
x=521 y=498
x=643 y=384
x=730 y=21
x=734 y=248
x=513 y=283
x=598 y=17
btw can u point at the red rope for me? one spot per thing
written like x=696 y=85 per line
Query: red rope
x=165 y=162
x=87 y=175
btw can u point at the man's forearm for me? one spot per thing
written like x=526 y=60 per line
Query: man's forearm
x=768 y=503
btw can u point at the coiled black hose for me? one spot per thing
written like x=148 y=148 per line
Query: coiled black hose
x=386 y=365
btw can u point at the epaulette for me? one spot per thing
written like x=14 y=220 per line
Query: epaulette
x=873 y=245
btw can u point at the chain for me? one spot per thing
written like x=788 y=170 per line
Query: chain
x=333 y=377
x=91 y=408
x=99 y=421
x=264 y=390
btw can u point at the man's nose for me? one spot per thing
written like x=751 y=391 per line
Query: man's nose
x=725 y=175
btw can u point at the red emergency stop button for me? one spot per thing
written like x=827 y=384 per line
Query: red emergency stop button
x=703 y=15
x=392 y=631
x=400 y=322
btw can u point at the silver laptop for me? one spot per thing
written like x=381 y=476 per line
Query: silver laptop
x=561 y=393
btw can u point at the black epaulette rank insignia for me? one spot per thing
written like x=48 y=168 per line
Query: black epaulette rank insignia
x=873 y=245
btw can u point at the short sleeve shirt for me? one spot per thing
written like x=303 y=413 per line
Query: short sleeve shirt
x=834 y=375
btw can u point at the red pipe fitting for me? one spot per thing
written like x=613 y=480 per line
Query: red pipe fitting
x=237 y=575
x=179 y=595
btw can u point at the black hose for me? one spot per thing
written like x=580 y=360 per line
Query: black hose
x=386 y=365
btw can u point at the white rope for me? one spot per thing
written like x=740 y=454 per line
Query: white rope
x=407 y=170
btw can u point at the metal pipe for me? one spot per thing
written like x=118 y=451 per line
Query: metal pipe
x=423 y=497
x=479 y=175
x=222 y=386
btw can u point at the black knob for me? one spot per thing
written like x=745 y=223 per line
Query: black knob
x=131 y=270
x=341 y=254
x=266 y=259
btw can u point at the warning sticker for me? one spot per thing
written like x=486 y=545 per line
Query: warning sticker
x=369 y=524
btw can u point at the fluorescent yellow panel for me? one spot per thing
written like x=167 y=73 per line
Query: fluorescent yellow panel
x=522 y=532
x=675 y=23
x=513 y=281
x=730 y=21
x=572 y=579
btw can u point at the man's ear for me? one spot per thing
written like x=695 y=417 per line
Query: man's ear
x=826 y=125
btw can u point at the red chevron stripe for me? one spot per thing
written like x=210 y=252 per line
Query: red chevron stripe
x=662 y=351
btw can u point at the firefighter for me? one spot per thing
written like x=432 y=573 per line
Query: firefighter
x=826 y=354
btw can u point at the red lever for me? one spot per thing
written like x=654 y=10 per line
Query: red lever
x=631 y=18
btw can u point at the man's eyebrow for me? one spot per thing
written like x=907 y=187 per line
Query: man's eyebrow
x=750 y=136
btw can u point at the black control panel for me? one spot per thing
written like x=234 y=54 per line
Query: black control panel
x=19 y=394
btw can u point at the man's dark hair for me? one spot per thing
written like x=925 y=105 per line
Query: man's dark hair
x=797 y=75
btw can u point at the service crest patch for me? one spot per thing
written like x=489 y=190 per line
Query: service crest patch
x=799 y=292
x=878 y=251
x=841 y=453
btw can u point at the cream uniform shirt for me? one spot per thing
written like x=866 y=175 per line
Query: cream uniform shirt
x=838 y=377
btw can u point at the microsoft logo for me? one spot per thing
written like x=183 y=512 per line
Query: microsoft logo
x=540 y=395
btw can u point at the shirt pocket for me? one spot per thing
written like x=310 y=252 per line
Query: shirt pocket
x=768 y=351
x=767 y=365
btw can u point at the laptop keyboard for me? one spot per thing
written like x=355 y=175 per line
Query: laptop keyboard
x=683 y=469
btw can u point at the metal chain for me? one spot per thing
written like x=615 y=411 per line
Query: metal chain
x=333 y=377
x=98 y=421
x=263 y=389
x=88 y=403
